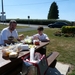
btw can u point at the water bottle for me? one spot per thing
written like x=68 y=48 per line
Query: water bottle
x=32 y=50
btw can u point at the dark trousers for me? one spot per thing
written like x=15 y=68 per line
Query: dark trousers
x=42 y=50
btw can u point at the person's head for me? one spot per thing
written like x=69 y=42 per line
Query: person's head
x=12 y=25
x=40 y=29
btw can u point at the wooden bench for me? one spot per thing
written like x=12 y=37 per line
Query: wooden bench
x=52 y=59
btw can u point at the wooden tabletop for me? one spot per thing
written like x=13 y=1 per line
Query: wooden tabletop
x=5 y=63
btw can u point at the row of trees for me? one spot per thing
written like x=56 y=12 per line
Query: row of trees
x=53 y=11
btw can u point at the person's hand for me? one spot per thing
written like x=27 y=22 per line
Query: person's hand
x=21 y=36
x=35 y=37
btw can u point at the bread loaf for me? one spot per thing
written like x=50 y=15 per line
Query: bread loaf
x=13 y=55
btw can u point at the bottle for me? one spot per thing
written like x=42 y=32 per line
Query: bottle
x=32 y=50
x=27 y=37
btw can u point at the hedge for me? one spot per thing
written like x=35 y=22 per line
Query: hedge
x=68 y=29
x=38 y=21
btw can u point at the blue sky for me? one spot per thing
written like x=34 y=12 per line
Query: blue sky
x=38 y=9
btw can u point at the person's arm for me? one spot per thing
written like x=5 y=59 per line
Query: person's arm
x=35 y=37
x=46 y=39
x=21 y=37
x=16 y=36
x=8 y=42
x=18 y=39
x=4 y=37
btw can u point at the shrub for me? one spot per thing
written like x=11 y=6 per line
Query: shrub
x=68 y=29
x=58 y=33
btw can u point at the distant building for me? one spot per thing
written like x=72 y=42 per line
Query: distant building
x=2 y=17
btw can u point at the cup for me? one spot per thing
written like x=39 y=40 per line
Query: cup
x=36 y=42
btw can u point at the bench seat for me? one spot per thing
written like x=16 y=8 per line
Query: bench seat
x=52 y=59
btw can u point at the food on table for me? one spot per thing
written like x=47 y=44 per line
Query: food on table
x=32 y=46
x=36 y=42
x=6 y=52
x=13 y=55
x=11 y=38
x=28 y=40
x=22 y=46
x=19 y=48
x=25 y=47
x=21 y=36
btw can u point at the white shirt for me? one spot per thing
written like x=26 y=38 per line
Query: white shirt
x=5 y=33
x=41 y=37
x=0 y=38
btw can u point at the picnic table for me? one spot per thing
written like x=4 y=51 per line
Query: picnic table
x=14 y=66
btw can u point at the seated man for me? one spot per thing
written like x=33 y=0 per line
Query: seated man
x=42 y=37
x=0 y=39
x=9 y=33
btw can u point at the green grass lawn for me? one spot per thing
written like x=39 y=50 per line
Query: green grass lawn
x=64 y=45
x=18 y=27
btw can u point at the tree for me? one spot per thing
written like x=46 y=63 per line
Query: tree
x=53 y=12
